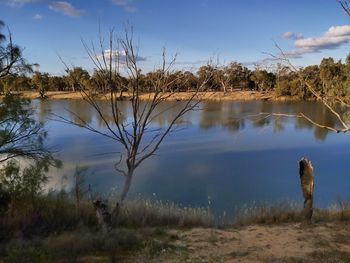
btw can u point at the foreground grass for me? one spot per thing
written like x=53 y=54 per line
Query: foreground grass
x=54 y=230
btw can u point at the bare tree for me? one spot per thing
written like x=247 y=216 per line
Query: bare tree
x=345 y=4
x=138 y=139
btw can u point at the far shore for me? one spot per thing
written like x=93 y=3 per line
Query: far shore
x=236 y=95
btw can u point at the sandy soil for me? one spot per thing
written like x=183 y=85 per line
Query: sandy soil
x=235 y=95
x=286 y=243
x=277 y=243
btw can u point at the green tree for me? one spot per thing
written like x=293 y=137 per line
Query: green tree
x=209 y=74
x=76 y=77
x=41 y=83
x=263 y=80
x=56 y=83
x=332 y=75
x=23 y=186
x=20 y=133
x=11 y=59
x=311 y=74
x=190 y=81
x=238 y=76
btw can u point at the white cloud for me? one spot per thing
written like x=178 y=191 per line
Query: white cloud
x=333 y=38
x=338 y=31
x=292 y=35
x=288 y=35
x=19 y=3
x=37 y=17
x=65 y=8
x=117 y=56
x=127 y=5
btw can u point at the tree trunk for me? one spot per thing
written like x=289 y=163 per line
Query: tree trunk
x=223 y=86
x=307 y=187
x=126 y=187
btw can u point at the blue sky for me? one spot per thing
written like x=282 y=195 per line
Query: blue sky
x=233 y=30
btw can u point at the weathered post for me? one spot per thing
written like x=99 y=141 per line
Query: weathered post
x=307 y=186
x=102 y=213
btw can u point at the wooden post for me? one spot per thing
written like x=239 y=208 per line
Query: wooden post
x=103 y=215
x=307 y=186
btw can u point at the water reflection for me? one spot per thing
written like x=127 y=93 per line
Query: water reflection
x=225 y=153
x=231 y=116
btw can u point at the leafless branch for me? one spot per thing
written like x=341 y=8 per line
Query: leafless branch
x=325 y=100
x=130 y=132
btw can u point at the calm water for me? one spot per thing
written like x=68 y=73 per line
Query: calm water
x=219 y=155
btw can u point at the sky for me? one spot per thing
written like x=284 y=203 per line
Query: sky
x=197 y=30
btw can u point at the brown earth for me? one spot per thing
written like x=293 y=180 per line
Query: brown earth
x=277 y=243
x=290 y=243
x=218 y=96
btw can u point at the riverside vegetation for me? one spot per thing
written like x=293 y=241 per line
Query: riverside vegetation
x=40 y=225
x=61 y=226
x=331 y=78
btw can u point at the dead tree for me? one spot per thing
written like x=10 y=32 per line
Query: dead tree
x=345 y=4
x=307 y=187
x=139 y=140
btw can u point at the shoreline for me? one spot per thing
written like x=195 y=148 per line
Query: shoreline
x=236 y=95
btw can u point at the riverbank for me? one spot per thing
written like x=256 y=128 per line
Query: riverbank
x=236 y=95
x=290 y=243
x=257 y=243
x=154 y=231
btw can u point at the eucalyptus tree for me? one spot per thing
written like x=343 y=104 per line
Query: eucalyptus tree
x=21 y=135
x=11 y=59
x=238 y=76
x=190 y=81
x=56 y=83
x=209 y=74
x=41 y=83
x=76 y=77
x=263 y=79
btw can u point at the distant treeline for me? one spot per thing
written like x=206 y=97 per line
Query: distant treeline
x=330 y=78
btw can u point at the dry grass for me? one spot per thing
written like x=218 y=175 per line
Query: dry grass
x=268 y=214
x=288 y=212
x=140 y=213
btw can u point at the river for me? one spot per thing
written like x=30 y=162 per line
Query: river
x=223 y=156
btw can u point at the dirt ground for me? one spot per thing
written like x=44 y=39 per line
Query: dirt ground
x=235 y=95
x=280 y=243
